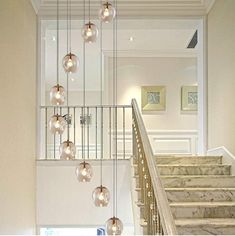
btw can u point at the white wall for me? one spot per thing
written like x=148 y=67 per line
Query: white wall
x=18 y=117
x=62 y=200
x=221 y=64
x=171 y=72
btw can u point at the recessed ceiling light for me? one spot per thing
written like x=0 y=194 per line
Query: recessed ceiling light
x=131 y=39
x=53 y=38
x=72 y=79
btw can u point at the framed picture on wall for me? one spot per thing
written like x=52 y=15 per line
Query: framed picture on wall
x=189 y=98
x=153 y=98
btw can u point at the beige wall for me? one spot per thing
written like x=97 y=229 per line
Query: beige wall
x=18 y=116
x=221 y=59
x=172 y=72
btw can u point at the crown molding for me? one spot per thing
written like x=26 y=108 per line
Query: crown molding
x=209 y=5
x=36 y=5
x=130 y=8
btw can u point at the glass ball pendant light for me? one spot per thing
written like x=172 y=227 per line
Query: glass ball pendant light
x=101 y=196
x=70 y=63
x=57 y=124
x=57 y=95
x=67 y=150
x=107 y=12
x=90 y=33
x=114 y=226
x=84 y=172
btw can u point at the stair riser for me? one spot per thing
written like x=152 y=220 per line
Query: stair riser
x=142 y=212
x=139 y=195
x=184 y=182
x=203 y=212
x=200 y=196
x=145 y=230
x=135 y=170
x=194 y=170
x=136 y=182
x=188 y=160
x=206 y=230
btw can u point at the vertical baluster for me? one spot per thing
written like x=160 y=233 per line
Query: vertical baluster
x=60 y=134
x=46 y=125
x=133 y=135
x=110 y=133
x=102 y=134
x=158 y=219
x=162 y=232
x=155 y=216
x=148 y=205
x=74 y=129
x=96 y=133
x=124 y=135
x=82 y=131
x=152 y=211
x=160 y=229
x=54 y=140
x=88 y=135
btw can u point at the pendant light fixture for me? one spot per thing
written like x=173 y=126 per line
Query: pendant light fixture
x=68 y=148
x=107 y=12
x=114 y=225
x=101 y=195
x=57 y=93
x=57 y=124
x=84 y=171
x=70 y=61
x=90 y=30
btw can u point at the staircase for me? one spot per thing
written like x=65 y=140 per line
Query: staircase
x=201 y=194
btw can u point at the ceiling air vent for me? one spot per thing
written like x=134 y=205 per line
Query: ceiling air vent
x=193 y=41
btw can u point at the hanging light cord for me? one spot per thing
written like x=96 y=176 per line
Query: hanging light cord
x=89 y=8
x=84 y=83
x=70 y=27
x=101 y=99
x=68 y=39
x=116 y=60
x=115 y=113
x=57 y=53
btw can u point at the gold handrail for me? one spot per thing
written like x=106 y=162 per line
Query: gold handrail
x=157 y=213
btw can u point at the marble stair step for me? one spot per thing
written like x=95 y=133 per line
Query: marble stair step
x=199 y=181
x=189 y=160
x=200 y=194
x=206 y=169
x=206 y=226
x=203 y=209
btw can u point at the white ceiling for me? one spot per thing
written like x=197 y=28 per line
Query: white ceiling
x=132 y=8
x=150 y=36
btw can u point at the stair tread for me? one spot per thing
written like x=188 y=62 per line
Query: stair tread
x=191 y=165
x=205 y=221
x=196 y=176
x=200 y=189
x=177 y=157
x=139 y=203
x=143 y=222
x=202 y=204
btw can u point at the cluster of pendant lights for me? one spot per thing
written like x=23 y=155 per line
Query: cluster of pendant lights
x=58 y=123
